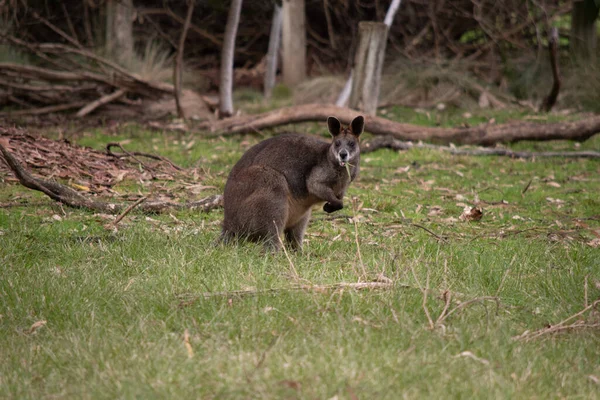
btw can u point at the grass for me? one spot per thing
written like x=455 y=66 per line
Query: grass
x=115 y=323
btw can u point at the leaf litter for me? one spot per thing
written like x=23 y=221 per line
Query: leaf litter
x=93 y=171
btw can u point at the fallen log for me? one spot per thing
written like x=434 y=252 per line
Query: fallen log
x=483 y=135
x=389 y=142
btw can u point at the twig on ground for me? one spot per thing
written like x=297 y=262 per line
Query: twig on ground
x=133 y=155
x=128 y=210
x=292 y=266
x=307 y=288
x=424 y=291
x=358 y=252
x=526 y=336
x=430 y=232
x=469 y=302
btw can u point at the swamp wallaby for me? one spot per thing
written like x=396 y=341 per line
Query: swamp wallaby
x=273 y=187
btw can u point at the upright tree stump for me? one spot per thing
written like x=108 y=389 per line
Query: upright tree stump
x=368 y=64
x=293 y=42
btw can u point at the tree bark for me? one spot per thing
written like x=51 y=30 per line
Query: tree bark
x=583 y=29
x=368 y=62
x=483 y=135
x=294 y=42
x=389 y=18
x=550 y=100
x=179 y=59
x=226 y=81
x=119 y=29
x=272 y=53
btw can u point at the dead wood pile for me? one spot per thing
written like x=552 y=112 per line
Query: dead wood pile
x=78 y=80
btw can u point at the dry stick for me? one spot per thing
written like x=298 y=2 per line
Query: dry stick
x=128 y=209
x=292 y=266
x=298 y=287
x=114 y=144
x=138 y=153
x=43 y=110
x=179 y=59
x=561 y=325
x=53 y=27
x=70 y=23
x=167 y=11
x=468 y=302
x=354 y=219
x=430 y=232
x=424 y=291
x=585 y=291
x=447 y=296
x=100 y=102
x=526 y=187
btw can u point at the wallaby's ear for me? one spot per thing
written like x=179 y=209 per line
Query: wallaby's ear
x=334 y=125
x=357 y=125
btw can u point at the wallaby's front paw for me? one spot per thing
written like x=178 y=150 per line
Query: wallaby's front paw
x=330 y=207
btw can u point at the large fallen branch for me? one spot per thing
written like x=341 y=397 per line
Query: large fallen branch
x=389 y=142
x=72 y=198
x=483 y=135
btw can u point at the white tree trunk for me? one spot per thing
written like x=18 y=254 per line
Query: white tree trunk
x=294 y=42
x=389 y=18
x=226 y=81
x=368 y=64
x=345 y=93
x=272 y=53
x=391 y=12
x=119 y=29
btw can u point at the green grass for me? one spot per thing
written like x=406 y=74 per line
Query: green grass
x=116 y=305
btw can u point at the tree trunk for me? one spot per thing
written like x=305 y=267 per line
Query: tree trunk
x=272 y=53
x=294 y=42
x=119 y=29
x=226 y=81
x=583 y=29
x=179 y=60
x=368 y=62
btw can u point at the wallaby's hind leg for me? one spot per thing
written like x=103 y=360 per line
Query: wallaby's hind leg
x=295 y=234
x=260 y=208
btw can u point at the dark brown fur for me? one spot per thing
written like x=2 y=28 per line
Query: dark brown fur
x=273 y=187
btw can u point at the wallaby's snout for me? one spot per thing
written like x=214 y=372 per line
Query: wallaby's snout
x=343 y=156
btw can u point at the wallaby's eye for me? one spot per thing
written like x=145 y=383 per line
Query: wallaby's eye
x=338 y=143
x=351 y=145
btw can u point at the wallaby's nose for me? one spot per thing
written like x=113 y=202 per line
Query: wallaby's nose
x=343 y=154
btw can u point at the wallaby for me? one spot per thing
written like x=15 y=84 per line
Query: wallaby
x=273 y=187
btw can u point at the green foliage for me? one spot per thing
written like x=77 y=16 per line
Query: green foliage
x=117 y=305
x=9 y=54
x=281 y=92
